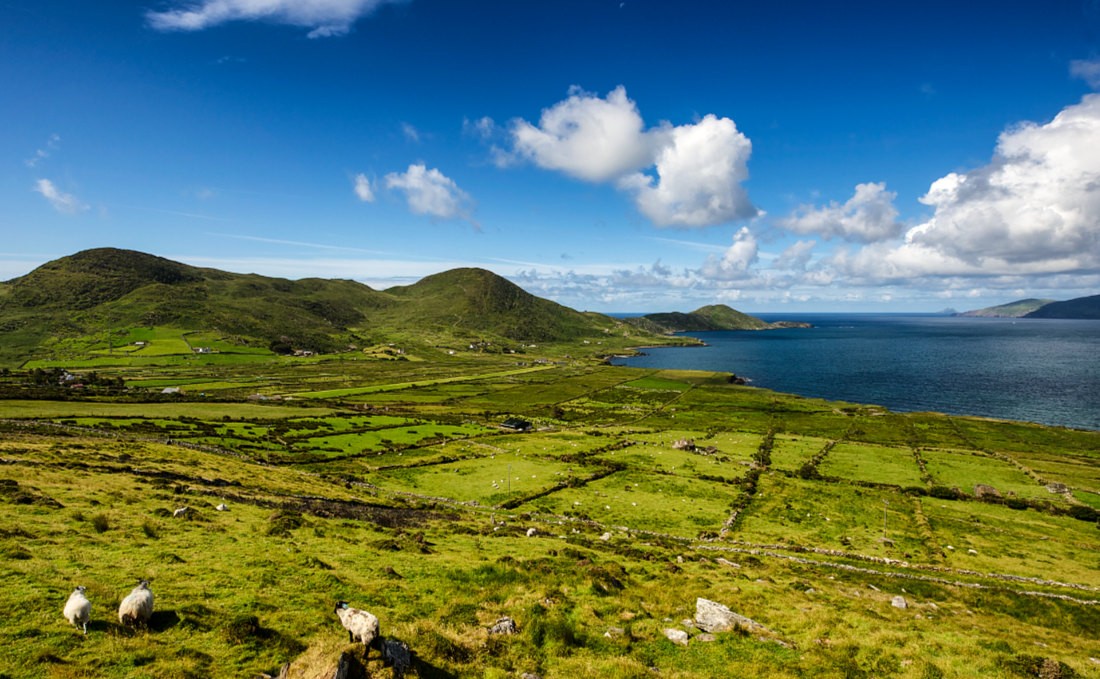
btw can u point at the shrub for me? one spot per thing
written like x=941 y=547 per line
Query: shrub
x=150 y=529
x=101 y=523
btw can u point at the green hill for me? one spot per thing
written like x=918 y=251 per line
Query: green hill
x=1082 y=307
x=96 y=297
x=1017 y=309
x=711 y=317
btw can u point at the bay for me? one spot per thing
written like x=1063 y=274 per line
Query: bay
x=1037 y=370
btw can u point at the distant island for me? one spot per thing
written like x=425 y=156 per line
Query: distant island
x=1079 y=308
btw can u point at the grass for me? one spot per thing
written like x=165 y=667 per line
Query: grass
x=360 y=500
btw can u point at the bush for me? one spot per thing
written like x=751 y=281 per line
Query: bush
x=101 y=523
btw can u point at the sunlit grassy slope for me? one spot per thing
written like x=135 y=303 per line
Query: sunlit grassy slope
x=393 y=487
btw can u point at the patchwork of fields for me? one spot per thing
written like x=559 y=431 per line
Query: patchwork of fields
x=633 y=493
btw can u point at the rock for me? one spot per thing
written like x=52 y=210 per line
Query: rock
x=899 y=602
x=532 y=532
x=614 y=632
x=971 y=551
x=530 y=675
x=677 y=636
x=711 y=616
x=606 y=537
x=687 y=622
x=397 y=655
x=982 y=491
x=726 y=562
x=349 y=667
x=222 y=507
x=706 y=636
x=503 y=625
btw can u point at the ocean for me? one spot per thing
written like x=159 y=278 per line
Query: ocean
x=1037 y=370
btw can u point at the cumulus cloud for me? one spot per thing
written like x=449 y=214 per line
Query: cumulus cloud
x=686 y=176
x=324 y=18
x=699 y=170
x=63 y=202
x=868 y=216
x=737 y=260
x=796 y=256
x=431 y=193
x=1033 y=209
x=586 y=137
x=1087 y=70
x=363 y=189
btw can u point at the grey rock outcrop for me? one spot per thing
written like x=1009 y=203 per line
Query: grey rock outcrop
x=711 y=616
x=503 y=625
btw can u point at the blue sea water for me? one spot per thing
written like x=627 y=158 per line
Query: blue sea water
x=1037 y=370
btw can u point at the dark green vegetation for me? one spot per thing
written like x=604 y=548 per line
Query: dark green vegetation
x=1082 y=307
x=391 y=485
x=381 y=475
x=108 y=301
x=711 y=317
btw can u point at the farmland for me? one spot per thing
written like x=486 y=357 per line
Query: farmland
x=392 y=485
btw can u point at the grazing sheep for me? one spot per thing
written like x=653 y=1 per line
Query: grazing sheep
x=78 y=610
x=137 y=607
x=360 y=624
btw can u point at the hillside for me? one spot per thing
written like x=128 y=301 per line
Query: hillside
x=96 y=298
x=1017 y=309
x=711 y=317
x=1082 y=307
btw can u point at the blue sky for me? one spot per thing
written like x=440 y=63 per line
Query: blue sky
x=625 y=155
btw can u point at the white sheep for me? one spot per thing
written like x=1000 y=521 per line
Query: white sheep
x=78 y=610
x=137 y=607
x=358 y=623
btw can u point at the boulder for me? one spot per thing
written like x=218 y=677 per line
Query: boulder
x=899 y=602
x=677 y=636
x=397 y=655
x=711 y=616
x=503 y=625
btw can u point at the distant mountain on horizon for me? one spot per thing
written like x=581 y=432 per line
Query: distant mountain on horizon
x=1079 y=308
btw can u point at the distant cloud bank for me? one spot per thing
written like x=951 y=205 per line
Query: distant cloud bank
x=324 y=18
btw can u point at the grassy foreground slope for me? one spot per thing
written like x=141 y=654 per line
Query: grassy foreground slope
x=637 y=492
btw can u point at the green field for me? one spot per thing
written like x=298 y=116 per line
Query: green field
x=394 y=487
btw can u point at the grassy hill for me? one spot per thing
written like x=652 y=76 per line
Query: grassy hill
x=711 y=317
x=94 y=300
x=1082 y=307
x=1017 y=309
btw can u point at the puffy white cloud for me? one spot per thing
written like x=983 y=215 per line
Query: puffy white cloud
x=324 y=18
x=796 y=256
x=363 y=189
x=736 y=262
x=586 y=137
x=61 y=201
x=868 y=216
x=687 y=175
x=1087 y=70
x=430 y=192
x=1034 y=209
x=699 y=170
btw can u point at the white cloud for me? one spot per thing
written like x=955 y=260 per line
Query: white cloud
x=363 y=188
x=41 y=154
x=61 y=201
x=738 y=259
x=587 y=137
x=687 y=175
x=796 y=256
x=484 y=127
x=1034 y=209
x=324 y=18
x=868 y=216
x=410 y=132
x=430 y=192
x=1087 y=70
x=699 y=169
